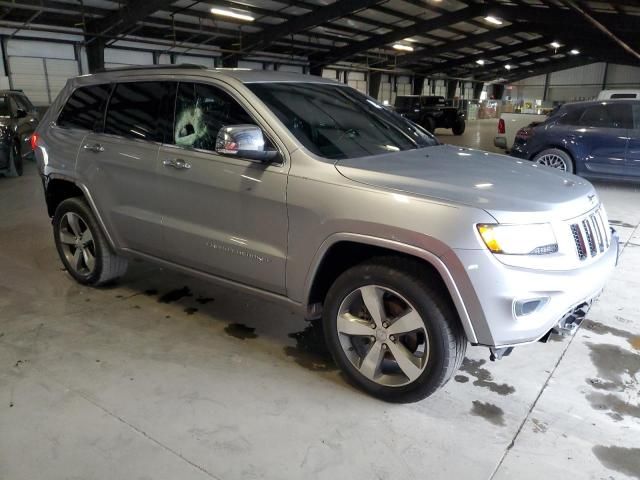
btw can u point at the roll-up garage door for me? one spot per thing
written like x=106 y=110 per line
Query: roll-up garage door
x=41 y=79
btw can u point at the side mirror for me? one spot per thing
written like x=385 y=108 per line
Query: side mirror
x=20 y=113
x=244 y=141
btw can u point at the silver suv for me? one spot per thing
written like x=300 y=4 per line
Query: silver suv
x=306 y=192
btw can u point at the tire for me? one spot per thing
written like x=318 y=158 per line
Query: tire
x=459 y=126
x=434 y=345
x=429 y=124
x=555 y=158
x=16 y=165
x=87 y=257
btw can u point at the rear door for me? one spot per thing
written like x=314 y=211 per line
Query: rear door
x=633 y=150
x=602 y=133
x=118 y=162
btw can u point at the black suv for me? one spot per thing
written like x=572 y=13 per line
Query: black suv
x=431 y=112
x=18 y=121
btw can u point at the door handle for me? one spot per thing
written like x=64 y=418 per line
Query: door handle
x=96 y=147
x=177 y=163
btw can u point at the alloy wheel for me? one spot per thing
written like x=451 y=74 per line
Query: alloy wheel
x=383 y=336
x=77 y=244
x=552 y=160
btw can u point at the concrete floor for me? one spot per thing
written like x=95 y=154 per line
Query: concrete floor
x=166 y=377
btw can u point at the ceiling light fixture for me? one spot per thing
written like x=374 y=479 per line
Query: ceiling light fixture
x=494 y=20
x=404 y=48
x=240 y=15
x=480 y=62
x=555 y=44
x=507 y=66
x=575 y=52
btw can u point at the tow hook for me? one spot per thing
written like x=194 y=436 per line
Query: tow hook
x=498 y=353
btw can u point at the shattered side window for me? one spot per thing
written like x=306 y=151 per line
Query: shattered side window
x=201 y=111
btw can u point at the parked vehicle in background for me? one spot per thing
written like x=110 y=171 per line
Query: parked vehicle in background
x=18 y=121
x=619 y=95
x=304 y=191
x=431 y=112
x=510 y=123
x=598 y=139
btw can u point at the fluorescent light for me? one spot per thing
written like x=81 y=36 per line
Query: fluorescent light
x=480 y=62
x=410 y=40
x=575 y=52
x=405 y=48
x=507 y=66
x=494 y=20
x=555 y=44
x=230 y=13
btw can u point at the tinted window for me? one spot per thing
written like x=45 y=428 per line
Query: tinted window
x=569 y=116
x=339 y=122
x=621 y=115
x=403 y=103
x=85 y=108
x=201 y=111
x=624 y=95
x=142 y=110
x=596 y=116
x=4 y=107
x=23 y=103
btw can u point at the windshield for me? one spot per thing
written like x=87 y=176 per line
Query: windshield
x=407 y=103
x=338 y=122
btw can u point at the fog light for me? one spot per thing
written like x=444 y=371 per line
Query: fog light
x=526 y=307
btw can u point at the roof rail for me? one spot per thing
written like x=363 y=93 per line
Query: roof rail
x=189 y=66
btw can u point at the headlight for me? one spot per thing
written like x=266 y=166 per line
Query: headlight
x=535 y=239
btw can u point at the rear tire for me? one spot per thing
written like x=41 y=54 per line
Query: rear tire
x=16 y=166
x=555 y=158
x=404 y=361
x=82 y=246
x=459 y=126
x=429 y=124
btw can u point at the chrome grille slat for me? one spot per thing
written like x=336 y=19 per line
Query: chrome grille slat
x=591 y=234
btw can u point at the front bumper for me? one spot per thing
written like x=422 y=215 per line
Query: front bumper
x=492 y=289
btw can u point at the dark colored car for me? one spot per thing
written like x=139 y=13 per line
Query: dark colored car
x=431 y=112
x=18 y=121
x=599 y=139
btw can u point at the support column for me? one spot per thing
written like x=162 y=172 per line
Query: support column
x=498 y=91
x=373 y=84
x=545 y=93
x=315 y=70
x=451 y=88
x=477 y=90
x=95 y=55
x=418 y=85
x=230 y=61
x=604 y=75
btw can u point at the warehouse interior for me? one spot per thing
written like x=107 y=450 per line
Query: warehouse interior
x=162 y=374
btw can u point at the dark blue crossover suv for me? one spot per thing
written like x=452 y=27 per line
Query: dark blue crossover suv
x=599 y=139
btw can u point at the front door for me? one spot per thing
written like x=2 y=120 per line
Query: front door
x=119 y=164
x=602 y=131
x=27 y=124
x=224 y=216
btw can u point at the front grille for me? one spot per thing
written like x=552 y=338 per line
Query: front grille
x=591 y=234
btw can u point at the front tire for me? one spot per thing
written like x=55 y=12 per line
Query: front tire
x=429 y=124
x=392 y=332
x=555 y=158
x=459 y=126
x=82 y=246
x=16 y=166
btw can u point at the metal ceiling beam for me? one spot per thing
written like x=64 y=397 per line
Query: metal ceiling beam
x=549 y=67
x=505 y=50
x=417 y=28
x=126 y=17
x=262 y=39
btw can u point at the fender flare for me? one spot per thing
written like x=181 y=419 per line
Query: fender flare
x=412 y=250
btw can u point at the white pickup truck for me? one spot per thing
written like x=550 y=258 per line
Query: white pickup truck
x=510 y=123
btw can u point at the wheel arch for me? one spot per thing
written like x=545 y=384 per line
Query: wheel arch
x=342 y=251
x=59 y=188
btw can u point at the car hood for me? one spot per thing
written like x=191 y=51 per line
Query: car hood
x=509 y=189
